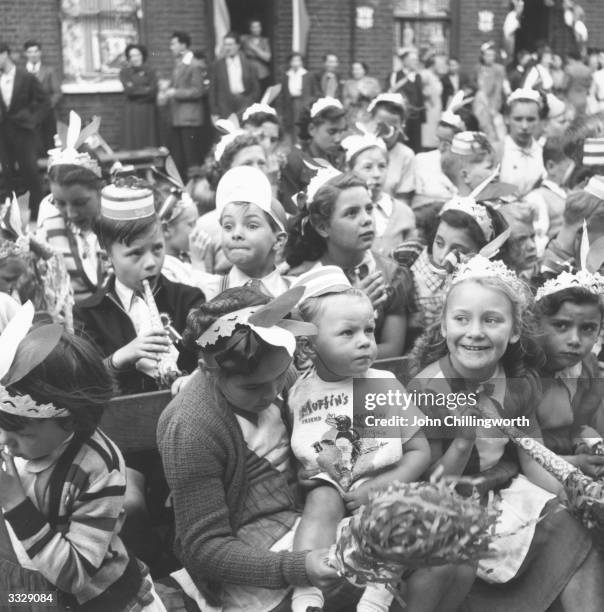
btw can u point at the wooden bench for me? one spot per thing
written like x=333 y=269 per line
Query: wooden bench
x=131 y=420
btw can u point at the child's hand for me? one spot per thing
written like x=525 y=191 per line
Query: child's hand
x=12 y=492
x=319 y=572
x=146 y=346
x=200 y=243
x=373 y=285
x=357 y=498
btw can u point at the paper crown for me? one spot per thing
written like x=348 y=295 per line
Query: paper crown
x=256 y=109
x=247 y=184
x=526 y=95
x=391 y=98
x=595 y=187
x=16 y=363
x=126 y=203
x=323 y=103
x=593 y=283
x=224 y=142
x=267 y=322
x=478 y=212
x=321 y=281
x=356 y=143
x=68 y=153
x=479 y=266
x=17 y=245
x=468 y=143
x=556 y=106
x=593 y=152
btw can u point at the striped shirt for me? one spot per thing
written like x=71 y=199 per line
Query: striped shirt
x=54 y=231
x=68 y=526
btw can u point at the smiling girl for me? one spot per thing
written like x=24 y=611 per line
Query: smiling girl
x=337 y=228
x=482 y=345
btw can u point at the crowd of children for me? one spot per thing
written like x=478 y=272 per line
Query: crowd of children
x=259 y=295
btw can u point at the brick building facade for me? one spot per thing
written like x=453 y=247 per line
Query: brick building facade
x=333 y=27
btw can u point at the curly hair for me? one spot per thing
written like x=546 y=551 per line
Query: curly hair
x=216 y=169
x=72 y=377
x=67 y=175
x=518 y=357
x=303 y=241
x=229 y=300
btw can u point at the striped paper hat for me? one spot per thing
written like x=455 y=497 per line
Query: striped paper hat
x=468 y=143
x=593 y=152
x=126 y=203
x=323 y=280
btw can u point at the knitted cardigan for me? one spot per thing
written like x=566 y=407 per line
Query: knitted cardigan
x=204 y=458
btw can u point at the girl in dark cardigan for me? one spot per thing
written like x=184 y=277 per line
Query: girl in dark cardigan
x=226 y=455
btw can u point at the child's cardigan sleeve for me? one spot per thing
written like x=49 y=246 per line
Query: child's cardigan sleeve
x=205 y=468
x=71 y=558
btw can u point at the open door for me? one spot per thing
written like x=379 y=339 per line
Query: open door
x=244 y=11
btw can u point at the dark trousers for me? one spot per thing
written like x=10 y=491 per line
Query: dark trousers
x=413 y=130
x=47 y=130
x=19 y=146
x=186 y=148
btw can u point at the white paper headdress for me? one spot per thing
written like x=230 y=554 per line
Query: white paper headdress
x=68 y=153
x=323 y=103
x=16 y=362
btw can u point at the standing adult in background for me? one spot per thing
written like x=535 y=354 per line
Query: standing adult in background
x=578 y=82
x=490 y=77
x=358 y=91
x=453 y=81
x=408 y=82
x=257 y=49
x=435 y=68
x=233 y=85
x=296 y=94
x=139 y=125
x=51 y=86
x=186 y=112
x=327 y=83
x=23 y=105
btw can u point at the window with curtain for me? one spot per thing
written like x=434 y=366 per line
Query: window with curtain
x=423 y=23
x=94 y=36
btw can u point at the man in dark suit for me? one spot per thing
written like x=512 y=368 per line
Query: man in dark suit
x=327 y=82
x=51 y=86
x=234 y=83
x=184 y=96
x=408 y=82
x=23 y=104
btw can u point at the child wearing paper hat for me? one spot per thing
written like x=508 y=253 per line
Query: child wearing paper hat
x=252 y=232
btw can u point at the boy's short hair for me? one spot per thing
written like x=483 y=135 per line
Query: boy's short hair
x=553 y=150
x=110 y=231
x=4 y=48
x=31 y=43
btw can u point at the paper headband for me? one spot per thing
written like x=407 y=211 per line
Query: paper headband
x=16 y=362
x=238 y=339
x=256 y=109
x=450 y=116
x=247 y=184
x=324 y=103
x=391 y=98
x=68 y=153
x=124 y=203
x=582 y=279
x=525 y=95
x=354 y=144
x=478 y=212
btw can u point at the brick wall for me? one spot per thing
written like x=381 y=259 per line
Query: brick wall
x=594 y=10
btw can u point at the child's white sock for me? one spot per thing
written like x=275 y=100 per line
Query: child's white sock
x=376 y=598
x=303 y=597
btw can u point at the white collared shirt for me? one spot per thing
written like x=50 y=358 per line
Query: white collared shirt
x=235 y=74
x=7 y=83
x=294 y=82
x=187 y=58
x=382 y=212
x=136 y=308
x=522 y=167
x=33 y=68
x=88 y=249
x=274 y=283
